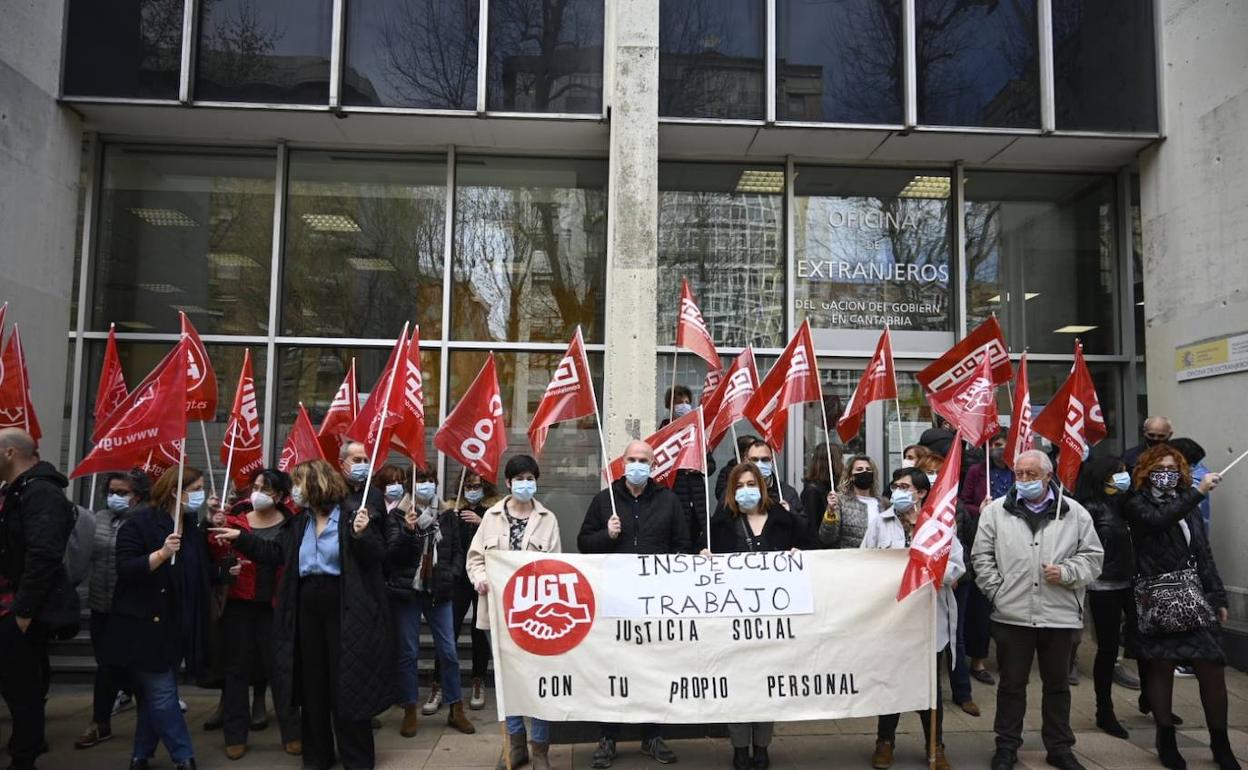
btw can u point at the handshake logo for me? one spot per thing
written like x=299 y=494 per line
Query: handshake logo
x=549 y=607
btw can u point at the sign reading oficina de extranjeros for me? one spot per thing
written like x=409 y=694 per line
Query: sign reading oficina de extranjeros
x=702 y=639
x=1211 y=357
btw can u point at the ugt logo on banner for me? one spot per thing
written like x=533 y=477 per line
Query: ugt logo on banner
x=549 y=606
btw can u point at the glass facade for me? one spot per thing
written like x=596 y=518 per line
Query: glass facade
x=545 y=56
x=126 y=48
x=1104 y=65
x=711 y=58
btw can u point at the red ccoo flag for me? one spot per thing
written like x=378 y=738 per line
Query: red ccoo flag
x=727 y=403
x=301 y=443
x=569 y=396
x=1073 y=420
x=970 y=405
x=711 y=382
x=793 y=380
x=935 y=528
x=879 y=382
x=959 y=362
x=201 y=383
x=1019 y=439
x=409 y=432
x=152 y=415
x=342 y=412
x=679 y=445
x=16 y=409
x=241 y=449
x=370 y=427
x=112 y=390
x=474 y=432
x=691 y=331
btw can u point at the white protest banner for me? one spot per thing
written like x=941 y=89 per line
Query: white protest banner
x=576 y=639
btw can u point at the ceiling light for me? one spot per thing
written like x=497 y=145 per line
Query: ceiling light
x=1073 y=329
x=372 y=264
x=995 y=298
x=331 y=223
x=1140 y=303
x=752 y=181
x=1026 y=296
x=230 y=259
x=138 y=325
x=163 y=217
x=926 y=187
x=158 y=288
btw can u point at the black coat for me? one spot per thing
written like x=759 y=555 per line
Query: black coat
x=1115 y=535
x=651 y=523
x=782 y=531
x=690 y=488
x=814 y=499
x=1160 y=546
x=366 y=675
x=376 y=502
x=404 y=549
x=787 y=492
x=35 y=521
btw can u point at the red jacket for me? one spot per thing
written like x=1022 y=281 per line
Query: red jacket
x=244 y=586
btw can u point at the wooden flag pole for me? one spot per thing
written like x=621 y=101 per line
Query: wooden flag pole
x=177 y=505
x=901 y=439
x=463 y=474
x=706 y=476
x=606 y=460
x=384 y=414
x=827 y=437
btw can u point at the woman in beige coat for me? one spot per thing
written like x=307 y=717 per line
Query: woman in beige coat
x=518 y=522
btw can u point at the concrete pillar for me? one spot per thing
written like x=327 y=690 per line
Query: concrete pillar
x=1193 y=198
x=632 y=224
x=40 y=151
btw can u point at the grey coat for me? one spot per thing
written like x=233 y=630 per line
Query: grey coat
x=103 y=581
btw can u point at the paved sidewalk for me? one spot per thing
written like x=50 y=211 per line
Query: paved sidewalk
x=842 y=744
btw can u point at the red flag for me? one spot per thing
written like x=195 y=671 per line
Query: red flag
x=342 y=412
x=711 y=382
x=154 y=461
x=370 y=426
x=935 y=528
x=152 y=415
x=793 y=380
x=691 y=331
x=970 y=405
x=1019 y=440
x=959 y=362
x=301 y=443
x=1073 y=420
x=112 y=390
x=201 y=383
x=569 y=396
x=409 y=433
x=16 y=409
x=879 y=382
x=727 y=403
x=679 y=445
x=474 y=432
x=242 y=431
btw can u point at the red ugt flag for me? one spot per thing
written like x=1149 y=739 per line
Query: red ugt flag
x=970 y=405
x=112 y=390
x=793 y=380
x=1073 y=420
x=16 y=409
x=241 y=449
x=201 y=383
x=409 y=432
x=935 y=528
x=691 y=331
x=569 y=396
x=342 y=412
x=301 y=444
x=474 y=432
x=879 y=382
x=960 y=362
x=726 y=404
x=679 y=445
x=375 y=423
x=151 y=416
x=1019 y=439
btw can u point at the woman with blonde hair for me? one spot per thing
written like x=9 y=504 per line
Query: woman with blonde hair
x=850 y=509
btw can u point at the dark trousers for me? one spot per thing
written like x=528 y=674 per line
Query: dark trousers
x=109 y=679
x=886 y=724
x=978 y=622
x=247 y=636
x=960 y=674
x=1108 y=610
x=320 y=648
x=464 y=599
x=23 y=686
x=1017 y=646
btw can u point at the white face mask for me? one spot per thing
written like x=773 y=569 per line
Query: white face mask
x=296 y=496
x=907 y=463
x=261 y=501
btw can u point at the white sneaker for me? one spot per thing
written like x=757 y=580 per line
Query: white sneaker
x=182 y=705
x=122 y=702
x=434 y=703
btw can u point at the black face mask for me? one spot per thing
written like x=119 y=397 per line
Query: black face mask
x=864 y=479
x=1152 y=442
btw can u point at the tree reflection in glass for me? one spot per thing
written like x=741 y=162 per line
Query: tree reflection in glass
x=274 y=51
x=711 y=58
x=545 y=56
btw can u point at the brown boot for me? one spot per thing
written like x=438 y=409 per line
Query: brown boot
x=457 y=719
x=411 y=714
x=540 y=755
x=517 y=750
x=939 y=762
x=236 y=751
x=882 y=759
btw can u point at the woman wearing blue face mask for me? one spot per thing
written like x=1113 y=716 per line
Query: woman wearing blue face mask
x=160 y=613
x=393 y=483
x=478 y=497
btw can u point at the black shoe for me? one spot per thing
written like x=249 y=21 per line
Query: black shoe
x=604 y=755
x=1065 y=761
x=740 y=758
x=1003 y=759
x=761 y=759
x=1107 y=721
x=1222 y=753
x=139 y=764
x=982 y=676
x=187 y=765
x=1175 y=719
x=657 y=749
x=1168 y=749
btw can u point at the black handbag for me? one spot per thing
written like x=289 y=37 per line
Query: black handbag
x=1172 y=603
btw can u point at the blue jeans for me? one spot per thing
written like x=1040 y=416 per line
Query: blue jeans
x=515 y=725
x=407 y=619
x=960 y=676
x=160 y=717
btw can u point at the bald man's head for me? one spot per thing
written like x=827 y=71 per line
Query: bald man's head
x=17 y=453
x=1157 y=430
x=638 y=451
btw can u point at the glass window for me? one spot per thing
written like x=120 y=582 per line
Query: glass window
x=872 y=247
x=839 y=62
x=1104 y=65
x=365 y=236
x=184 y=231
x=711 y=58
x=978 y=64
x=411 y=53
x=571 y=460
x=1041 y=255
x=1046 y=378
x=270 y=51
x=530 y=249
x=722 y=227
x=125 y=48
x=545 y=56
x=1137 y=259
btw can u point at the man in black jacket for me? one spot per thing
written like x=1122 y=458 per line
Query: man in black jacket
x=35 y=593
x=353 y=462
x=647 y=518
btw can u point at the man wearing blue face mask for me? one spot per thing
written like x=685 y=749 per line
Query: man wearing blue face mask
x=649 y=520
x=690 y=485
x=353 y=462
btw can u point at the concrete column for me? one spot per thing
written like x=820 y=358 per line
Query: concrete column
x=632 y=225
x=1193 y=198
x=40 y=152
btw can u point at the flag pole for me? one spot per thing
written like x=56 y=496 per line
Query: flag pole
x=177 y=500
x=706 y=476
x=212 y=479
x=463 y=474
x=602 y=441
x=91 y=499
x=827 y=437
x=229 y=464
x=384 y=413
x=988 y=468
x=901 y=439
x=736 y=448
x=1224 y=470
x=671 y=394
